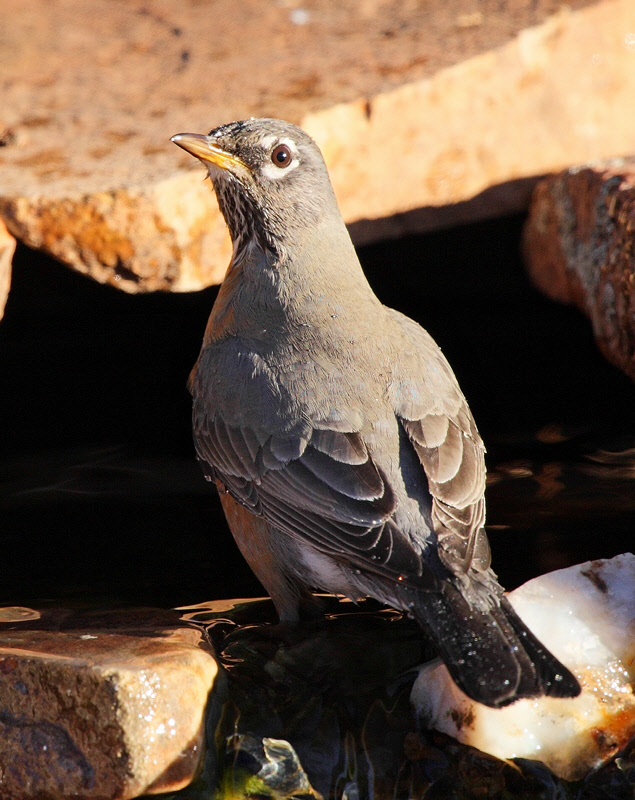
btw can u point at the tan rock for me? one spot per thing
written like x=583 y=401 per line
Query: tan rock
x=157 y=238
x=99 y=708
x=451 y=106
x=7 y=249
x=498 y=118
x=578 y=244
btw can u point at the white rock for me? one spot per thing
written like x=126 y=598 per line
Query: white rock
x=586 y=616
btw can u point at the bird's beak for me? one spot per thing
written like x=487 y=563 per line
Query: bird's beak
x=202 y=148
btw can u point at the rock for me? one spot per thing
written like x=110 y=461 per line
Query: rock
x=440 y=116
x=7 y=248
x=586 y=616
x=578 y=244
x=108 y=706
x=264 y=767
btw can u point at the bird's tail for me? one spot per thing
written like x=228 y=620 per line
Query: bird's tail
x=491 y=654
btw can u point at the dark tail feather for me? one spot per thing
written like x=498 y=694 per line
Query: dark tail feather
x=554 y=679
x=491 y=655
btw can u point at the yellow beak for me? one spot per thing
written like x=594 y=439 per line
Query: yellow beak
x=200 y=146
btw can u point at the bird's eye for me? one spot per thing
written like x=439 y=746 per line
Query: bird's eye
x=281 y=156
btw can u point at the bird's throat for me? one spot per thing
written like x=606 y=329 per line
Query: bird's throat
x=283 y=280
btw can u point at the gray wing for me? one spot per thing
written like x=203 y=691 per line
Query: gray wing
x=439 y=423
x=317 y=480
x=324 y=489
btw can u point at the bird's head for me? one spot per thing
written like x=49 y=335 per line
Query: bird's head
x=269 y=177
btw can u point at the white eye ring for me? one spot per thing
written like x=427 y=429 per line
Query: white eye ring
x=272 y=146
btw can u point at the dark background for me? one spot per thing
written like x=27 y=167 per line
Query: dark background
x=102 y=500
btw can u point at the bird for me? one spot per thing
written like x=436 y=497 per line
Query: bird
x=345 y=454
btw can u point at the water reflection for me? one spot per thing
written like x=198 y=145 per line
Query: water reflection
x=323 y=711
x=337 y=692
x=570 y=498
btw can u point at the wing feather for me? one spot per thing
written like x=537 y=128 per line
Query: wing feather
x=327 y=491
x=440 y=426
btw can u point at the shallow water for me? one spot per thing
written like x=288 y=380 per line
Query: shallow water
x=324 y=711
x=102 y=502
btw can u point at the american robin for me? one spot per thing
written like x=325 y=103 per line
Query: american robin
x=345 y=454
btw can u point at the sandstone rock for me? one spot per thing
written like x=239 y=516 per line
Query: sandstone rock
x=7 y=248
x=578 y=244
x=106 y=707
x=586 y=616
x=415 y=106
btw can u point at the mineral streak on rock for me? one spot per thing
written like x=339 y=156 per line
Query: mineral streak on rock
x=579 y=244
x=111 y=707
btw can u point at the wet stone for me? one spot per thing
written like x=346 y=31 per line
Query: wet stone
x=586 y=616
x=100 y=705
